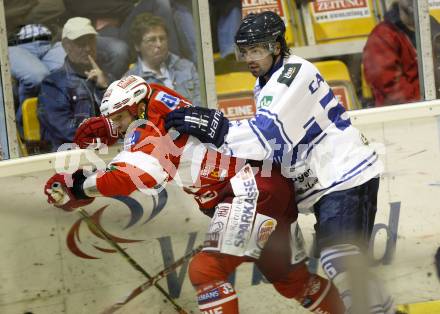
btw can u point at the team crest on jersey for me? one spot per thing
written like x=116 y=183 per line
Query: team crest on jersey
x=265 y=101
x=132 y=140
x=289 y=73
x=170 y=101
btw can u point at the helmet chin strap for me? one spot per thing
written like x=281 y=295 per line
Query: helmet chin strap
x=274 y=57
x=147 y=102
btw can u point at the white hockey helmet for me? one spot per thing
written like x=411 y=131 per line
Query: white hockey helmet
x=123 y=94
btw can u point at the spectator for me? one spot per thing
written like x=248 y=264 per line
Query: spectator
x=113 y=52
x=16 y=12
x=225 y=19
x=156 y=64
x=390 y=56
x=184 y=20
x=33 y=50
x=33 y=56
x=113 y=19
x=177 y=17
x=72 y=93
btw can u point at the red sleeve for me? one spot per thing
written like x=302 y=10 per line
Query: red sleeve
x=164 y=105
x=123 y=179
x=383 y=56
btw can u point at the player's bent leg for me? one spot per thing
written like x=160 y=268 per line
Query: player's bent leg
x=264 y=215
x=282 y=263
x=360 y=291
x=208 y=272
x=217 y=298
x=334 y=263
x=313 y=292
x=345 y=220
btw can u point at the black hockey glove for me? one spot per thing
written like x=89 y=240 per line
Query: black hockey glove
x=208 y=125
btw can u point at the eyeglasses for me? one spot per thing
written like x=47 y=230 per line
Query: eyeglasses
x=154 y=39
x=85 y=41
x=254 y=52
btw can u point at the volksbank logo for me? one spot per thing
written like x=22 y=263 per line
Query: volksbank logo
x=265 y=101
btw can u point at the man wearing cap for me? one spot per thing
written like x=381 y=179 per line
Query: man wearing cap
x=72 y=93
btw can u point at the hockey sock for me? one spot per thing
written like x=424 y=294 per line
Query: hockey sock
x=321 y=296
x=217 y=298
x=334 y=264
x=359 y=290
x=313 y=292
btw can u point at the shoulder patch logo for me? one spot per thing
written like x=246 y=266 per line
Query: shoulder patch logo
x=289 y=73
x=170 y=101
x=265 y=101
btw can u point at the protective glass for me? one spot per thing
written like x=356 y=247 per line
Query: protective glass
x=254 y=52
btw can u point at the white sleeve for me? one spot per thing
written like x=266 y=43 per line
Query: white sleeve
x=144 y=162
x=278 y=125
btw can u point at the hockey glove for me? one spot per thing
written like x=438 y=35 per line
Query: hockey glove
x=64 y=190
x=96 y=131
x=208 y=125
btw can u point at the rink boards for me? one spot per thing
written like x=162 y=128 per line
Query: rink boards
x=53 y=263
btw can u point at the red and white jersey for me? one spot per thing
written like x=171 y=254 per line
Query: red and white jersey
x=151 y=157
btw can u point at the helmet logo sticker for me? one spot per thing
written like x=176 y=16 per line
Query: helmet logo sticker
x=119 y=104
x=126 y=81
x=138 y=92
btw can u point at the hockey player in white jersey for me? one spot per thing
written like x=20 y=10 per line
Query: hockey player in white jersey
x=301 y=125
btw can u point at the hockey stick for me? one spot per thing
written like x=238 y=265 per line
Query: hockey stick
x=163 y=273
x=89 y=221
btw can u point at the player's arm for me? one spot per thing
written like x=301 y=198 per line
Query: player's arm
x=128 y=172
x=259 y=138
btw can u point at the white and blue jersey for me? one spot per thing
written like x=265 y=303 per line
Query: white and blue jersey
x=301 y=125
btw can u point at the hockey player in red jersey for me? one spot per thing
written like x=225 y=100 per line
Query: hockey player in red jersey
x=253 y=213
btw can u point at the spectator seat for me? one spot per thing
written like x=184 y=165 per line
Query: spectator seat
x=235 y=94
x=336 y=73
x=31 y=124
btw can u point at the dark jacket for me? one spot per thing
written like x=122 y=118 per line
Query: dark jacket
x=65 y=100
x=390 y=60
x=183 y=74
x=16 y=12
x=99 y=8
x=50 y=13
